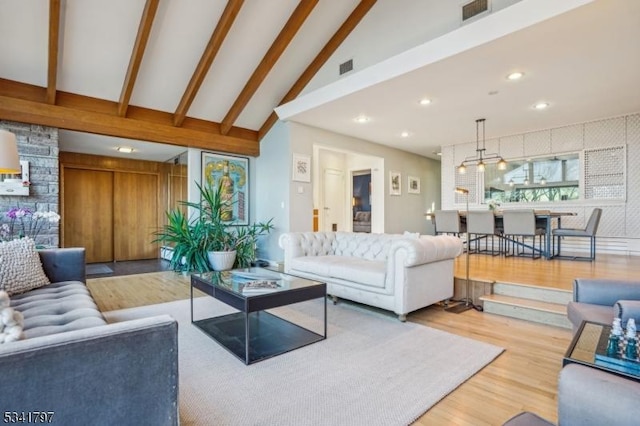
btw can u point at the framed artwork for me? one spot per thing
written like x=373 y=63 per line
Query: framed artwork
x=301 y=168
x=395 y=185
x=233 y=174
x=413 y=185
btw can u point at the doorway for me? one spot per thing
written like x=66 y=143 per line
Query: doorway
x=333 y=201
x=361 y=200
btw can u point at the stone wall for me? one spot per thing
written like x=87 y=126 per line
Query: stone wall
x=39 y=146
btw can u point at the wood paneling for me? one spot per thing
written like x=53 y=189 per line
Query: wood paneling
x=135 y=216
x=139 y=197
x=88 y=212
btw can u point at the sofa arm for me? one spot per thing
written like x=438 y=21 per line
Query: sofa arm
x=64 y=264
x=123 y=373
x=591 y=397
x=426 y=249
x=625 y=309
x=604 y=292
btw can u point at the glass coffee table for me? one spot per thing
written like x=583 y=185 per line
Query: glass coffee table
x=589 y=347
x=252 y=334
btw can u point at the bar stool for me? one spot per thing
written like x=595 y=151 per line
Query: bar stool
x=587 y=232
x=482 y=225
x=519 y=225
x=448 y=222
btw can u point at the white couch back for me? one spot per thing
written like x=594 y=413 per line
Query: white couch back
x=361 y=245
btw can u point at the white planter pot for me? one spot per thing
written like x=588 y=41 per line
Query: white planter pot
x=221 y=260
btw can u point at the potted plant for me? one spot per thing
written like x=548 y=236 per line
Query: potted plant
x=198 y=241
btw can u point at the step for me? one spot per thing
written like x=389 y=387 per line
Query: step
x=544 y=294
x=527 y=309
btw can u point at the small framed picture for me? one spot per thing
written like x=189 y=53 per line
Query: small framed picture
x=395 y=183
x=301 y=168
x=413 y=185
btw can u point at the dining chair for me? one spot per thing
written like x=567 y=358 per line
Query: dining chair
x=448 y=222
x=588 y=231
x=519 y=226
x=482 y=226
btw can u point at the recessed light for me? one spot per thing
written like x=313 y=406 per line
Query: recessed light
x=425 y=101
x=541 y=105
x=125 y=149
x=405 y=134
x=515 y=76
x=361 y=119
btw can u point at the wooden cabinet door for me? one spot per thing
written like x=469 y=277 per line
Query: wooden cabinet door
x=88 y=212
x=135 y=215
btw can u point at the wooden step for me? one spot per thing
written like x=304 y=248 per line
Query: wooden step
x=543 y=294
x=527 y=309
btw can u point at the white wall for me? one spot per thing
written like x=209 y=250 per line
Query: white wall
x=392 y=27
x=402 y=213
x=272 y=188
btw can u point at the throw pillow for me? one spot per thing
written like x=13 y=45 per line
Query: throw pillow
x=11 y=321
x=20 y=267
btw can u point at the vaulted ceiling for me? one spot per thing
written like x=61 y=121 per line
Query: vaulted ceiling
x=209 y=73
x=198 y=73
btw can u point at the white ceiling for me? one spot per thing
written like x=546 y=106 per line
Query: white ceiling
x=585 y=62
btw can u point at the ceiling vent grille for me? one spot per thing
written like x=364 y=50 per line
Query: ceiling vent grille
x=345 y=67
x=474 y=8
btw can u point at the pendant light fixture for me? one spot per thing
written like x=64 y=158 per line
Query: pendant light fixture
x=480 y=157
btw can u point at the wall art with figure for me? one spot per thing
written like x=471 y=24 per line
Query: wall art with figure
x=232 y=173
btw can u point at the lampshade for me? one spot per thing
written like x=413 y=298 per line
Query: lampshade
x=9 y=160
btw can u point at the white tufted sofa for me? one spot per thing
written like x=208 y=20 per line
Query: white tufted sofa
x=392 y=272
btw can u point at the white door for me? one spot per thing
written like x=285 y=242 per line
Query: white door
x=333 y=199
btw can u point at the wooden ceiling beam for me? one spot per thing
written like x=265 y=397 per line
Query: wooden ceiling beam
x=144 y=30
x=336 y=40
x=26 y=103
x=213 y=47
x=54 y=40
x=288 y=32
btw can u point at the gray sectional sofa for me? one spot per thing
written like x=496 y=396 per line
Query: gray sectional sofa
x=588 y=396
x=81 y=369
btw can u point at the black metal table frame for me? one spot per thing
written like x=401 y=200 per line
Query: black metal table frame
x=256 y=303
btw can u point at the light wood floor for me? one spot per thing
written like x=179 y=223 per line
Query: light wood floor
x=524 y=377
x=554 y=273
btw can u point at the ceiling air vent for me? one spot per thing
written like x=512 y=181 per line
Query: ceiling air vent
x=345 y=67
x=474 y=8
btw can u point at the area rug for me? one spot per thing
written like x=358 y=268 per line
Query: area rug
x=371 y=370
x=95 y=269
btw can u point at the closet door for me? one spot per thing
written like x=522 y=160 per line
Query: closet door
x=88 y=212
x=135 y=215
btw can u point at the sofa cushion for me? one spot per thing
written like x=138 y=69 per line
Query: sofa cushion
x=361 y=271
x=57 y=308
x=319 y=265
x=20 y=266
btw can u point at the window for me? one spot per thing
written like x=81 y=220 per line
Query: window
x=534 y=180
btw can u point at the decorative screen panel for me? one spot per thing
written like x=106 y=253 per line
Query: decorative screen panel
x=604 y=173
x=566 y=139
x=537 y=143
x=512 y=147
x=467 y=181
x=604 y=133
